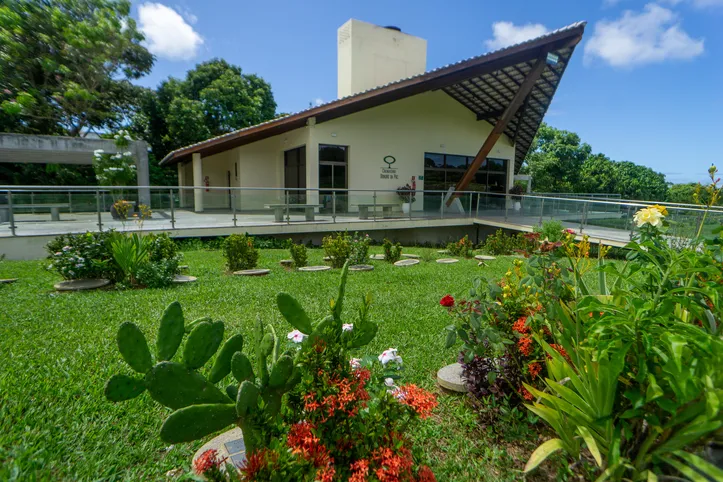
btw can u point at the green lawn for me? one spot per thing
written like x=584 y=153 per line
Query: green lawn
x=59 y=349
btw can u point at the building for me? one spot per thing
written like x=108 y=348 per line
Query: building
x=465 y=126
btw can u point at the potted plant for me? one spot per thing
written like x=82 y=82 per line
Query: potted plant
x=407 y=194
x=516 y=191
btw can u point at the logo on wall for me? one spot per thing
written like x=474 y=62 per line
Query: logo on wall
x=389 y=172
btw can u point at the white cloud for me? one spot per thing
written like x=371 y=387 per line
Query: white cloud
x=651 y=36
x=167 y=33
x=507 y=33
x=318 y=101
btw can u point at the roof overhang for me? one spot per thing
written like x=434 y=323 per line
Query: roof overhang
x=485 y=84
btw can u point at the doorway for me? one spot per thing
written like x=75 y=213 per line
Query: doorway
x=295 y=174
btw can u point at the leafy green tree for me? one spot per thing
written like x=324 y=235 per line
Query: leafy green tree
x=66 y=65
x=640 y=182
x=599 y=174
x=215 y=98
x=682 y=193
x=556 y=159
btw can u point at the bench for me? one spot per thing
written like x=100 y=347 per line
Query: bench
x=54 y=210
x=386 y=209
x=280 y=208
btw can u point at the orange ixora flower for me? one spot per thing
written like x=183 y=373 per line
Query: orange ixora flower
x=208 y=460
x=256 y=462
x=520 y=325
x=422 y=401
x=359 y=471
x=525 y=345
x=559 y=349
x=393 y=466
x=525 y=394
x=303 y=442
x=534 y=368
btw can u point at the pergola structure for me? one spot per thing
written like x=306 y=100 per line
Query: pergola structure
x=29 y=149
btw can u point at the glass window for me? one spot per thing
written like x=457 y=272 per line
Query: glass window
x=325 y=176
x=497 y=165
x=456 y=162
x=497 y=182
x=434 y=180
x=433 y=160
x=336 y=154
x=490 y=177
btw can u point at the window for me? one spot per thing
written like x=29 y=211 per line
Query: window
x=333 y=166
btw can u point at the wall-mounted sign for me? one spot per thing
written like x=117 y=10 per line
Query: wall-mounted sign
x=389 y=172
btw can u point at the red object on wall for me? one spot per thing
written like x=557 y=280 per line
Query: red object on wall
x=206 y=182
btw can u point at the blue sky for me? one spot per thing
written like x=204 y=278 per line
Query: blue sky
x=644 y=85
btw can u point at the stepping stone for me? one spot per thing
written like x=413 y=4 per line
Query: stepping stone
x=442 y=251
x=183 y=278
x=252 y=272
x=361 y=267
x=327 y=258
x=287 y=263
x=406 y=262
x=315 y=268
x=183 y=267
x=484 y=257
x=228 y=445
x=450 y=377
x=378 y=257
x=7 y=281
x=411 y=256
x=81 y=284
x=447 y=261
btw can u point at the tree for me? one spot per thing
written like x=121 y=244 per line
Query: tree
x=215 y=98
x=599 y=175
x=66 y=65
x=682 y=193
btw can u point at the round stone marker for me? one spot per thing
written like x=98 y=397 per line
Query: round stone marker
x=327 y=258
x=447 y=260
x=484 y=257
x=410 y=256
x=183 y=267
x=229 y=445
x=378 y=257
x=442 y=251
x=315 y=268
x=361 y=267
x=81 y=284
x=7 y=281
x=252 y=272
x=450 y=377
x=287 y=263
x=406 y=262
x=184 y=278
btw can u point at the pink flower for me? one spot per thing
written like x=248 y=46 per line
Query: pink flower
x=355 y=363
x=390 y=355
x=347 y=327
x=296 y=336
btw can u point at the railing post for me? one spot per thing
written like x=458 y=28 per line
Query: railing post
x=288 y=217
x=374 y=208
x=333 y=206
x=441 y=207
x=97 y=206
x=410 y=206
x=11 y=214
x=173 y=209
x=32 y=201
x=476 y=213
x=542 y=209
x=470 y=204
x=582 y=217
x=70 y=202
x=233 y=207
x=507 y=204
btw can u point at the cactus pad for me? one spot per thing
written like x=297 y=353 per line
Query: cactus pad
x=170 y=333
x=247 y=399
x=175 y=386
x=294 y=313
x=196 y=421
x=123 y=387
x=241 y=368
x=281 y=372
x=133 y=347
x=202 y=343
x=222 y=364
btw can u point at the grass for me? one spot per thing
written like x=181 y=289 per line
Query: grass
x=59 y=349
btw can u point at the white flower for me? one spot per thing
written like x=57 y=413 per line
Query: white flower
x=389 y=382
x=347 y=327
x=355 y=363
x=67 y=248
x=651 y=215
x=390 y=355
x=128 y=153
x=296 y=336
x=58 y=253
x=128 y=138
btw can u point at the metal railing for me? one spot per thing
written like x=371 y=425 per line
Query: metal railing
x=34 y=210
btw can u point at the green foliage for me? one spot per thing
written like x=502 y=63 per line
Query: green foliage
x=161 y=246
x=682 y=193
x=239 y=252
x=551 y=230
x=500 y=243
x=463 y=247
x=158 y=274
x=392 y=252
x=61 y=80
x=338 y=248
x=83 y=256
x=130 y=252
x=117 y=169
x=133 y=347
x=298 y=254
x=170 y=332
x=359 y=249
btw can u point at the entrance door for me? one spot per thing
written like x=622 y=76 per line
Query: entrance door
x=333 y=162
x=295 y=174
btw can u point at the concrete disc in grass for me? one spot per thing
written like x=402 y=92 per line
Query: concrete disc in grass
x=81 y=284
x=315 y=268
x=410 y=256
x=7 y=281
x=252 y=272
x=447 y=260
x=450 y=377
x=361 y=267
x=484 y=257
x=183 y=278
x=327 y=258
x=229 y=445
x=378 y=257
x=406 y=262
x=287 y=263
x=183 y=267
x=442 y=251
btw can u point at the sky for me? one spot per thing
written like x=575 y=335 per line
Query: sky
x=644 y=85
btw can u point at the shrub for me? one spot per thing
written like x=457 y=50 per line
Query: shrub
x=83 y=256
x=463 y=247
x=239 y=252
x=392 y=252
x=338 y=248
x=161 y=247
x=272 y=243
x=129 y=253
x=359 y=249
x=499 y=244
x=551 y=230
x=157 y=274
x=299 y=255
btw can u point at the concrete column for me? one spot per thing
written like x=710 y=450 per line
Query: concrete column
x=197 y=181
x=312 y=164
x=142 y=172
x=181 y=182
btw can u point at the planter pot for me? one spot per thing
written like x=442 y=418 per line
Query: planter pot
x=114 y=213
x=406 y=207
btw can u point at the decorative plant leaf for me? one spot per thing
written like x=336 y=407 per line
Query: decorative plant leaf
x=133 y=347
x=170 y=332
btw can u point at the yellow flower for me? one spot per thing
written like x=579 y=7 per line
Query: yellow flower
x=663 y=210
x=650 y=215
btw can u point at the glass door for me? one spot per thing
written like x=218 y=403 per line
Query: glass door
x=295 y=174
x=333 y=161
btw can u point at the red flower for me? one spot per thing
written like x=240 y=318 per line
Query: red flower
x=525 y=345
x=520 y=325
x=257 y=461
x=422 y=401
x=303 y=442
x=534 y=368
x=425 y=474
x=359 y=471
x=447 y=301
x=525 y=394
x=207 y=461
x=559 y=349
x=393 y=467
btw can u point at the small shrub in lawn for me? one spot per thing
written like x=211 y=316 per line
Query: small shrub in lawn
x=359 y=249
x=338 y=248
x=499 y=243
x=240 y=252
x=299 y=255
x=551 y=230
x=272 y=243
x=157 y=274
x=463 y=247
x=83 y=256
x=392 y=252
